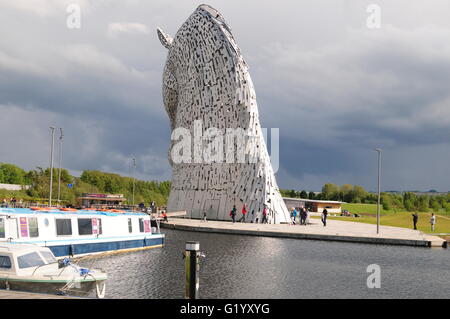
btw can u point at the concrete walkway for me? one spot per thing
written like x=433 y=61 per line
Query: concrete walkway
x=335 y=230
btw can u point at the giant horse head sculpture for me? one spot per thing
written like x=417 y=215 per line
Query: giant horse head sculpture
x=207 y=88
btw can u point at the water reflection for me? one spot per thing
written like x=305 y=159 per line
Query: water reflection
x=261 y=267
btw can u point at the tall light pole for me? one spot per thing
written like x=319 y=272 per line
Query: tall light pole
x=379 y=183
x=51 y=166
x=134 y=179
x=61 y=137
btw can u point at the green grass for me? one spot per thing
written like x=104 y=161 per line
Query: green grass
x=403 y=219
x=362 y=208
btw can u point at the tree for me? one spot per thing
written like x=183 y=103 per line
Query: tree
x=386 y=201
x=303 y=194
x=311 y=195
x=12 y=174
x=330 y=191
x=359 y=193
x=424 y=203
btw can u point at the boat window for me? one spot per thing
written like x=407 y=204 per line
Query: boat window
x=85 y=226
x=48 y=256
x=33 y=226
x=5 y=262
x=130 y=226
x=100 y=228
x=2 y=228
x=141 y=225
x=63 y=227
x=30 y=260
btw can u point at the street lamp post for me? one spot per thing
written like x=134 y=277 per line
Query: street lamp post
x=51 y=166
x=60 y=161
x=134 y=179
x=379 y=183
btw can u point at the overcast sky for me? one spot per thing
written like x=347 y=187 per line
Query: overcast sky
x=335 y=88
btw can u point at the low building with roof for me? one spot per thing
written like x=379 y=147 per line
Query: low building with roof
x=313 y=205
x=100 y=200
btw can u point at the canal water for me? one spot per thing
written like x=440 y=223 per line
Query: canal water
x=261 y=267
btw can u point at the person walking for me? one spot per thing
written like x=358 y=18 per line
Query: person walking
x=415 y=219
x=152 y=206
x=204 y=215
x=264 y=213
x=294 y=215
x=432 y=221
x=324 y=217
x=306 y=216
x=244 y=212
x=303 y=216
x=233 y=214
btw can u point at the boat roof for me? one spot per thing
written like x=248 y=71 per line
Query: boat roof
x=60 y=212
x=18 y=248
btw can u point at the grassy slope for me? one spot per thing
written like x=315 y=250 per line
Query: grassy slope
x=398 y=219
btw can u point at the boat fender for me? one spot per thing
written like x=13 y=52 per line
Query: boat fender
x=64 y=263
x=84 y=271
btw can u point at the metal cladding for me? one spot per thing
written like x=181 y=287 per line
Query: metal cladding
x=207 y=88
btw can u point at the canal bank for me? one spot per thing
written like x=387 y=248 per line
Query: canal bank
x=334 y=231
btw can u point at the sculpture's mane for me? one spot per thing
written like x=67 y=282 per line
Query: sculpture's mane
x=202 y=37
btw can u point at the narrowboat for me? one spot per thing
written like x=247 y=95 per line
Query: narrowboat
x=71 y=232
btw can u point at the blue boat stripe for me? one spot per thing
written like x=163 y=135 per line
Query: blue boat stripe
x=67 y=250
x=86 y=239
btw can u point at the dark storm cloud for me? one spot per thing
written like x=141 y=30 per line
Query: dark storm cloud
x=334 y=88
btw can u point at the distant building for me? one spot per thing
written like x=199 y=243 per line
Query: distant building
x=14 y=187
x=100 y=200
x=313 y=205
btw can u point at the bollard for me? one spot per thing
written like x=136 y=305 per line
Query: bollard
x=192 y=255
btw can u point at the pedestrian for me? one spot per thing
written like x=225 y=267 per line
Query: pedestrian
x=415 y=219
x=233 y=214
x=302 y=216
x=244 y=211
x=152 y=206
x=264 y=213
x=165 y=216
x=432 y=221
x=204 y=215
x=5 y=203
x=324 y=217
x=306 y=216
x=294 y=215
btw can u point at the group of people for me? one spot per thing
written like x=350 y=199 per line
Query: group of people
x=150 y=209
x=244 y=211
x=415 y=217
x=11 y=203
x=304 y=214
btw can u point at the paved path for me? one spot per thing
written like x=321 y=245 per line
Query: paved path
x=335 y=230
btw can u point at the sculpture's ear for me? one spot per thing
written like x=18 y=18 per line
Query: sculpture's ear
x=166 y=40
